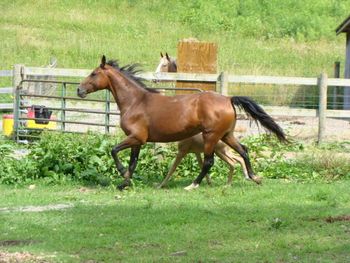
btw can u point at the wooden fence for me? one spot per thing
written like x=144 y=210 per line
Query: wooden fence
x=6 y=90
x=222 y=80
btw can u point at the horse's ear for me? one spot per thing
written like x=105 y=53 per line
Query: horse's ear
x=167 y=56
x=103 y=61
x=161 y=54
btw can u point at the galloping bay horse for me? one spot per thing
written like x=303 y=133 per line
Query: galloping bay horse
x=148 y=116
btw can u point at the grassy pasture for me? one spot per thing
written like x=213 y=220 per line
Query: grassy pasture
x=289 y=38
x=266 y=37
x=276 y=222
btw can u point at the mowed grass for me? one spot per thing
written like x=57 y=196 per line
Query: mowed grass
x=279 y=221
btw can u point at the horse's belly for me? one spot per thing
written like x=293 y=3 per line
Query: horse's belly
x=167 y=132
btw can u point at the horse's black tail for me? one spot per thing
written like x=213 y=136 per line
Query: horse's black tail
x=258 y=114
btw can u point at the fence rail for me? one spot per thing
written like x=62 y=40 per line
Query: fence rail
x=6 y=73
x=6 y=90
x=223 y=80
x=247 y=79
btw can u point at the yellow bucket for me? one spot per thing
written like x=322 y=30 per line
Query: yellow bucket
x=51 y=125
x=7 y=124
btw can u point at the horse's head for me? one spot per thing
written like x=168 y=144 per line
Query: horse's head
x=97 y=80
x=166 y=64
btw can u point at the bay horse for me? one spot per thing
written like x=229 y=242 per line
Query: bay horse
x=148 y=116
x=195 y=144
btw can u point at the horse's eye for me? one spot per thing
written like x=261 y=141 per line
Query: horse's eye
x=93 y=74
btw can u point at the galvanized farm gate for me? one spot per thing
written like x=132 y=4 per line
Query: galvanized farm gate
x=70 y=112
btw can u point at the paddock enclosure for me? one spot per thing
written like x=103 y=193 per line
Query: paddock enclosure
x=292 y=97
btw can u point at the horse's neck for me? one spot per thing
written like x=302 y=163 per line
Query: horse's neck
x=125 y=92
x=172 y=66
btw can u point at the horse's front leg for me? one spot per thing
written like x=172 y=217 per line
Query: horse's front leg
x=134 y=155
x=135 y=145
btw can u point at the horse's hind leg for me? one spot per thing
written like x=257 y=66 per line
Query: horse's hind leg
x=231 y=141
x=210 y=140
x=200 y=163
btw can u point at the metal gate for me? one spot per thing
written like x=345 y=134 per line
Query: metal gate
x=68 y=112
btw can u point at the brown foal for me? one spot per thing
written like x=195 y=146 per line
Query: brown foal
x=195 y=145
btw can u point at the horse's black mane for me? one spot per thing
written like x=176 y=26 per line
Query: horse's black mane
x=131 y=70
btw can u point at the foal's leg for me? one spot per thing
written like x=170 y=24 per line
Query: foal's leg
x=179 y=157
x=226 y=155
x=135 y=145
x=231 y=141
x=200 y=162
x=222 y=154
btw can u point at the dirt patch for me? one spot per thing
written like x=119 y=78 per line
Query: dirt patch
x=334 y=219
x=18 y=257
x=36 y=208
x=303 y=128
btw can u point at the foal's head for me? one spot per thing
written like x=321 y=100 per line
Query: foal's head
x=166 y=64
x=97 y=80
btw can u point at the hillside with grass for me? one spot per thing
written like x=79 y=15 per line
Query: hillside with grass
x=254 y=37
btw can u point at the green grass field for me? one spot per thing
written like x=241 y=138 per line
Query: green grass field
x=265 y=37
x=288 y=38
x=276 y=222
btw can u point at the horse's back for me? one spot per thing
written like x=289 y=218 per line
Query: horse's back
x=173 y=118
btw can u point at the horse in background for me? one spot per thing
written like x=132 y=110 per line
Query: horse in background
x=166 y=64
x=195 y=144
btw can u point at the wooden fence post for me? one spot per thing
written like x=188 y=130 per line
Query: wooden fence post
x=194 y=56
x=322 y=84
x=224 y=83
x=16 y=80
x=336 y=89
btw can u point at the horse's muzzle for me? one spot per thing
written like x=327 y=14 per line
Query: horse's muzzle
x=81 y=92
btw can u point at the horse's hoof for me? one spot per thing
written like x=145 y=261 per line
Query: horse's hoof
x=257 y=179
x=191 y=187
x=121 y=187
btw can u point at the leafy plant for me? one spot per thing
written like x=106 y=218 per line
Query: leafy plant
x=85 y=158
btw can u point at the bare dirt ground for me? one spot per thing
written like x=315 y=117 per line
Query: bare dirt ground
x=21 y=257
x=303 y=128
